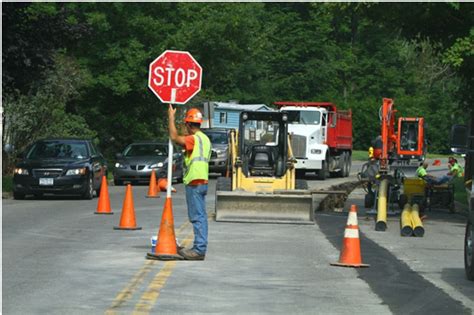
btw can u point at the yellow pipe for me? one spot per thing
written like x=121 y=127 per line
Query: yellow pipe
x=405 y=221
x=417 y=225
x=381 y=223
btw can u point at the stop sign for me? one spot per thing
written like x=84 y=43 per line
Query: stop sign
x=175 y=77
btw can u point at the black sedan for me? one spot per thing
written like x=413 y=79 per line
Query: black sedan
x=138 y=160
x=59 y=166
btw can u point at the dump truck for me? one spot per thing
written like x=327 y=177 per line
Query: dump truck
x=321 y=138
x=262 y=184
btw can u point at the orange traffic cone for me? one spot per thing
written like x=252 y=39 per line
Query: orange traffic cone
x=103 y=206
x=127 y=219
x=163 y=184
x=350 y=253
x=166 y=248
x=152 y=188
x=437 y=163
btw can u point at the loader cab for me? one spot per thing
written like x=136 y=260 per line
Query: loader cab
x=410 y=138
x=263 y=143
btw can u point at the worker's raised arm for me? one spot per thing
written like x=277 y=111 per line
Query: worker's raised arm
x=172 y=127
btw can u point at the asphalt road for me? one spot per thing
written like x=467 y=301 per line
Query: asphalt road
x=61 y=258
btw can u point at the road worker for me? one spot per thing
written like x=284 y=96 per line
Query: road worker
x=455 y=169
x=196 y=160
x=430 y=179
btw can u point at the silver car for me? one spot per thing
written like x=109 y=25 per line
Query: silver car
x=136 y=162
x=219 y=138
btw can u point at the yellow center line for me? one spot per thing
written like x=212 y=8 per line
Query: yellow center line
x=150 y=296
x=127 y=292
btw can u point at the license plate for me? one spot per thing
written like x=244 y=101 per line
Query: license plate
x=46 y=181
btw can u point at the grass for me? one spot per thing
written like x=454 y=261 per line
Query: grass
x=360 y=155
x=460 y=193
x=7 y=183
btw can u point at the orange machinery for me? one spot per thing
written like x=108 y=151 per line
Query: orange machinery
x=402 y=145
x=397 y=154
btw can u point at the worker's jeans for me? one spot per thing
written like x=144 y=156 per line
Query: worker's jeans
x=438 y=180
x=196 y=200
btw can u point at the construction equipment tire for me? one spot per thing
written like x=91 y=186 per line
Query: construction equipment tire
x=301 y=184
x=469 y=250
x=369 y=200
x=402 y=200
x=224 y=184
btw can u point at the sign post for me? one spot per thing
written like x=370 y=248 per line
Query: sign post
x=175 y=77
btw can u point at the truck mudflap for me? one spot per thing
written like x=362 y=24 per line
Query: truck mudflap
x=240 y=206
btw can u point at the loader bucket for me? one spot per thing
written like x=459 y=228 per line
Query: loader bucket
x=239 y=206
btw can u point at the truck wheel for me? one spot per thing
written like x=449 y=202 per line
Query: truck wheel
x=18 y=196
x=342 y=165
x=324 y=171
x=348 y=164
x=469 y=251
x=301 y=184
x=224 y=184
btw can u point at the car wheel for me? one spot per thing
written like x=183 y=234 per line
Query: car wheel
x=179 y=179
x=89 y=193
x=18 y=196
x=118 y=182
x=469 y=251
x=38 y=196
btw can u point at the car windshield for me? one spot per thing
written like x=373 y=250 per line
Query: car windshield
x=217 y=137
x=305 y=117
x=146 y=150
x=58 y=150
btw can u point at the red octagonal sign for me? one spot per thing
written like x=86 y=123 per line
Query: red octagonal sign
x=175 y=77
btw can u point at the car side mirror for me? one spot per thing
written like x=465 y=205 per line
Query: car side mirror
x=177 y=155
x=459 y=135
x=119 y=155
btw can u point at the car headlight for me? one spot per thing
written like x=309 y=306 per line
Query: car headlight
x=157 y=165
x=221 y=153
x=119 y=165
x=21 y=171
x=315 y=151
x=76 y=171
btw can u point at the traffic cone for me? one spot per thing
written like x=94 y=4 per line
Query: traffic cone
x=103 y=206
x=163 y=184
x=350 y=253
x=152 y=188
x=127 y=219
x=166 y=248
x=437 y=163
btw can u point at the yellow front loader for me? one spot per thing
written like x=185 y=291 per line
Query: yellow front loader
x=262 y=185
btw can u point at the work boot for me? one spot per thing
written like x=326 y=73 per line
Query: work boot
x=190 y=254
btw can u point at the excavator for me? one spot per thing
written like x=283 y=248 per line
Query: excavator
x=396 y=154
x=262 y=187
